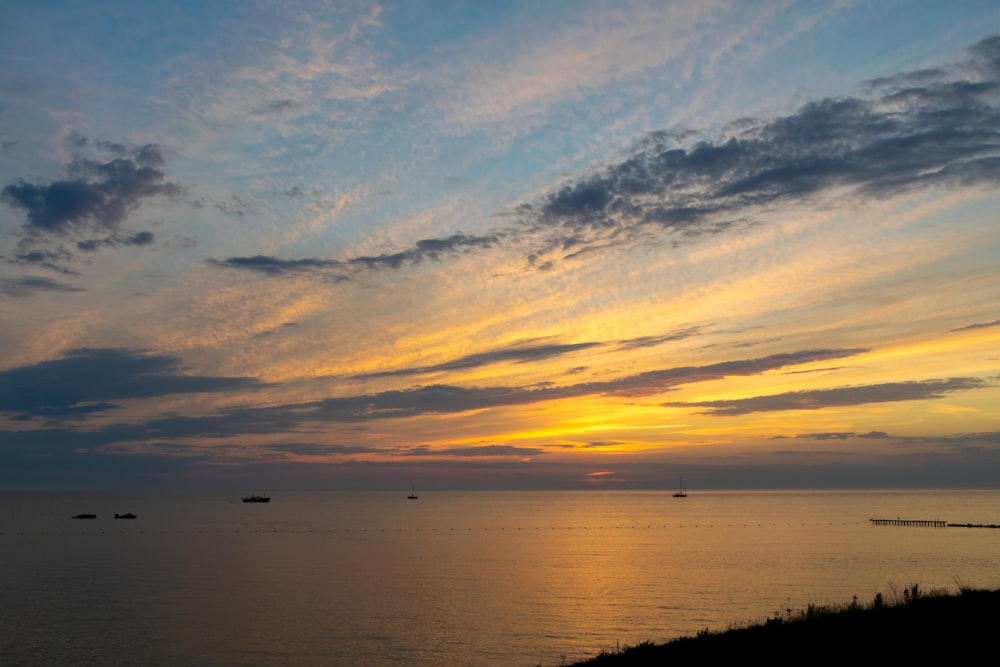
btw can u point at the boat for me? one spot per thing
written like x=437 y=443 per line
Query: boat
x=256 y=499
x=127 y=515
x=84 y=516
x=413 y=493
x=680 y=490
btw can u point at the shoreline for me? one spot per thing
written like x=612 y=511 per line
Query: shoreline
x=907 y=624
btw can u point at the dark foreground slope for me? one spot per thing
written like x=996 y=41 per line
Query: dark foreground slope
x=948 y=627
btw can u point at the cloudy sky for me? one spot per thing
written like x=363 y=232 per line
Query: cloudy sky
x=499 y=245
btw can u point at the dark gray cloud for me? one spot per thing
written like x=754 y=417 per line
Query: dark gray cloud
x=97 y=195
x=313 y=449
x=963 y=443
x=658 y=381
x=426 y=249
x=83 y=381
x=432 y=249
x=529 y=351
x=87 y=382
x=442 y=399
x=923 y=130
x=844 y=435
x=297 y=191
x=928 y=128
x=519 y=354
x=449 y=399
x=840 y=396
x=478 y=451
x=88 y=379
x=29 y=285
x=140 y=239
x=274 y=266
x=276 y=107
x=984 y=325
x=49 y=458
x=51 y=259
x=653 y=341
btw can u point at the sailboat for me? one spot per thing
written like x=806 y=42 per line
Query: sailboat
x=680 y=490
x=413 y=493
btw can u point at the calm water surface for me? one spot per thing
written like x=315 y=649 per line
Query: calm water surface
x=491 y=579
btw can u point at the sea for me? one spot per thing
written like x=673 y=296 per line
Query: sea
x=486 y=578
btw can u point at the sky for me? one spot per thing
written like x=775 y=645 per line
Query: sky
x=567 y=245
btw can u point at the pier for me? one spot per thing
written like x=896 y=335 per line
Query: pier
x=935 y=523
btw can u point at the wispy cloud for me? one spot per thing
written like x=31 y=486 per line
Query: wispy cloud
x=921 y=130
x=313 y=449
x=426 y=249
x=654 y=341
x=840 y=396
x=276 y=107
x=941 y=133
x=559 y=64
x=130 y=374
x=983 y=325
x=29 y=285
x=657 y=381
x=844 y=435
x=518 y=354
x=478 y=451
x=380 y=237
x=329 y=268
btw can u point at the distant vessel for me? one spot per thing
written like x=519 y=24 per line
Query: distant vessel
x=84 y=516
x=413 y=493
x=256 y=499
x=680 y=490
x=128 y=515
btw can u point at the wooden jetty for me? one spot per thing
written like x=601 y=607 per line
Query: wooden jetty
x=935 y=523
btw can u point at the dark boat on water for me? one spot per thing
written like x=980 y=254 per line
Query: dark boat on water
x=84 y=516
x=128 y=515
x=257 y=499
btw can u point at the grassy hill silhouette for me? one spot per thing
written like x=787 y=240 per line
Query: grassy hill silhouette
x=909 y=626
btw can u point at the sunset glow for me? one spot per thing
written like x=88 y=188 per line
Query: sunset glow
x=520 y=246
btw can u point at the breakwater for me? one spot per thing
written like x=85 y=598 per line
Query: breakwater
x=932 y=523
x=929 y=523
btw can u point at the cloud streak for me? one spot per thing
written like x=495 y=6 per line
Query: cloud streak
x=372 y=259
x=128 y=374
x=943 y=132
x=982 y=325
x=481 y=451
x=30 y=285
x=920 y=130
x=840 y=396
x=424 y=250
x=520 y=354
x=82 y=381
